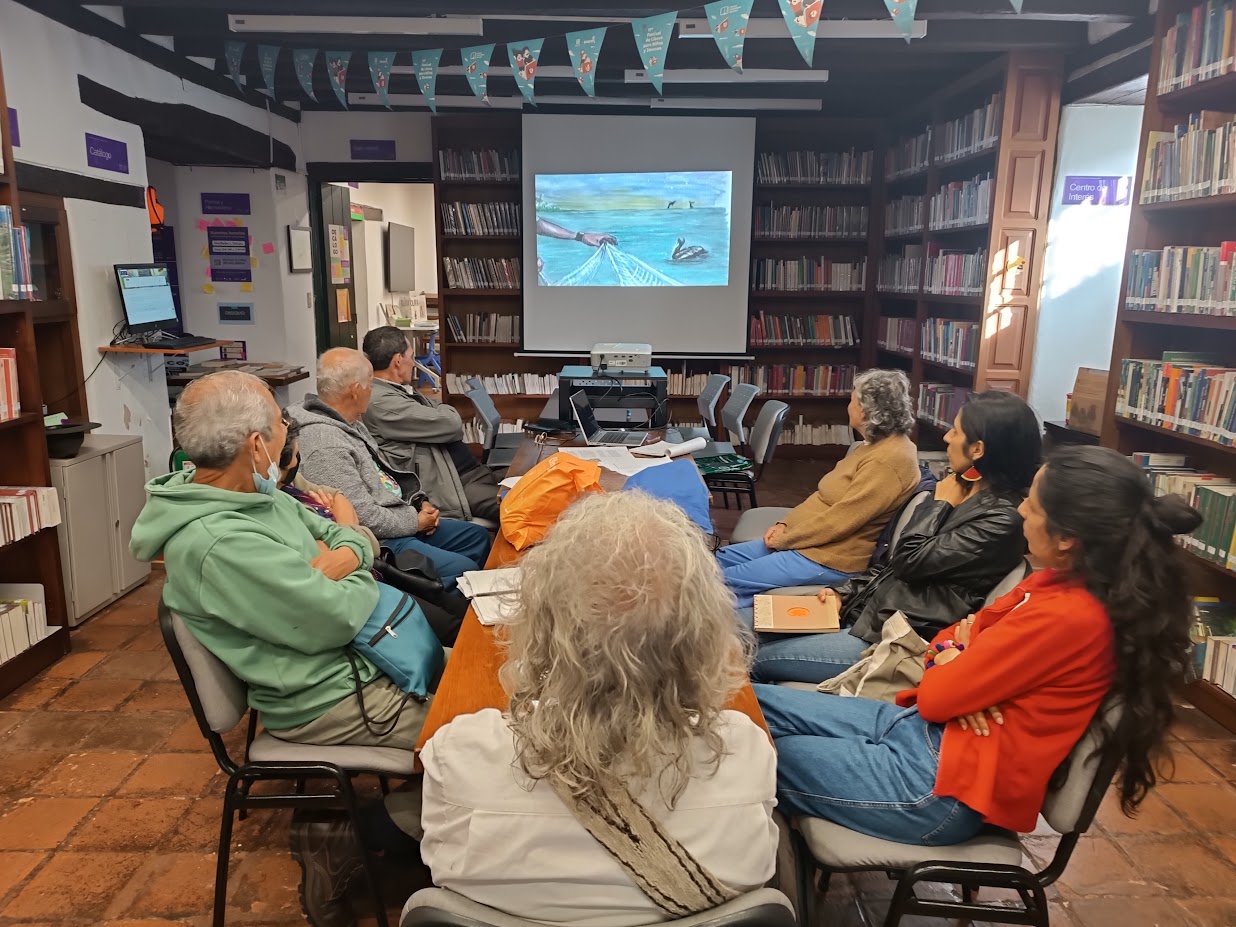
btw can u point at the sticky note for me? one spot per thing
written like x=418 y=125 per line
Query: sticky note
x=268 y=247
x=253 y=262
x=205 y=252
x=208 y=287
x=202 y=225
x=246 y=288
x=216 y=222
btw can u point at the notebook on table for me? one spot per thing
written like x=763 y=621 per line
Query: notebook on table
x=796 y=614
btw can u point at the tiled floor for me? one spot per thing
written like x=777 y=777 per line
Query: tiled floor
x=110 y=804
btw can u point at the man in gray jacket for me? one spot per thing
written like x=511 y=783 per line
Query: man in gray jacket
x=418 y=434
x=337 y=450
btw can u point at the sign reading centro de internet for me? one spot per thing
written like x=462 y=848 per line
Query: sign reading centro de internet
x=372 y=149
x=1096 y=191
x=107 y=154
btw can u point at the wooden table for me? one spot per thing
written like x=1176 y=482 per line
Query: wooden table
x=470 y=681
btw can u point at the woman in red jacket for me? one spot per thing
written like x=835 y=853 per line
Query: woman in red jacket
x=1009 y=692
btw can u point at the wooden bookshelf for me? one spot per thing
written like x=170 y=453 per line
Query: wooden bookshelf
x=24 y=462
x=1203 y=222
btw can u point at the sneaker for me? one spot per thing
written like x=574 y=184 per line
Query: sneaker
x=330 y=858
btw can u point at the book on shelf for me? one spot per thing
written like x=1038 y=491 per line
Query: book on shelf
x=506 y=384
x=962 y=203
x=939 y=403
x=478 y=164
x=1194 y=160
x=1182 y=279
x=10 y=398
x=818 y=167
x=484 y=328
x=1213 y=633
x=1199 y=46
x=474 y=430
x=26 y=510
x=770 y=329
x=773 y=222
x=950 y=342
x=808 y=273
x=904 y=216
x=976 y=131
x=23 y=618
x=802 y=433
x=901 y=272
x=796 y=379
x=950 y=272
x=482 y=273
x=15 y=281
x=1180 y=392
x=1213 y=495
x=897 y=335
x=908 y=155
x=500 y=218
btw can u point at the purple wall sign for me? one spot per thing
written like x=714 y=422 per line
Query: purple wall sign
x=1096 y=191
x=14 y=132
x=373 y=149
x=107 y=154
x=225 y=204
x=228 y=247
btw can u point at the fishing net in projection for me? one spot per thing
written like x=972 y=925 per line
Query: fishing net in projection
x=608 y=261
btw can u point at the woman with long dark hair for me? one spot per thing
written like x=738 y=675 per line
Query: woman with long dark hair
x=954 y=550
x=1008 y=693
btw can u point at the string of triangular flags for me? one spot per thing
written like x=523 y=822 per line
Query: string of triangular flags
x=727 y=20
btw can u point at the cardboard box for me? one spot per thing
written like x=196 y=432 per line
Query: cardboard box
x=1089 y=397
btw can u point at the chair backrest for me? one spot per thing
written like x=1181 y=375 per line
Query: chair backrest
x=476 y=383
x=1009 y=583
x=735 y=410
x=1072 y=806
x=488 y=413
x=767 y=430
x=904 y=516
x=707 y=401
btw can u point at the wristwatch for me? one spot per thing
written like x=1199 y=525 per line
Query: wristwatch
x=579 y=236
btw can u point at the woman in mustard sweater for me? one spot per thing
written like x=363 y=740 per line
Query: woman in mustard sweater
x=833 y=533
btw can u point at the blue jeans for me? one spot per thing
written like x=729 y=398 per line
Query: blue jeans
x=455 y=548
x=752 y=567
x=806 y=657
x=868 y=766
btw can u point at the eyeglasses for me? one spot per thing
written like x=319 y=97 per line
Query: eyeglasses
x=283 y=417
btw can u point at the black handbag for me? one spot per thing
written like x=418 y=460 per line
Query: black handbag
x=409 y=571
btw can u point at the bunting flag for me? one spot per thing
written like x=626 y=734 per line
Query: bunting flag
x=902 y=12
x=652 y=38
x=425 y=67
x=728 y=21
x=803 y=19
x=584 y=47
x=337 y=71
x=233 y=52
x=524 y=56
x=1016 y=5
x=302 y=59
x=380 y=73
x=268 y=57
x=476 y=60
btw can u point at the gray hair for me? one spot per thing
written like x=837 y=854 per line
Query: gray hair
x=340 y=368
x=624 y=650
x=216 y=414
x=885 y=398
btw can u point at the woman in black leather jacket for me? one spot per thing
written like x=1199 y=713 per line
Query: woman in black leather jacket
x=955 y=549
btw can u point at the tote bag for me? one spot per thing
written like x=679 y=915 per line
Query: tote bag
x=885 y=669
x=398 y=640
x=542 y=494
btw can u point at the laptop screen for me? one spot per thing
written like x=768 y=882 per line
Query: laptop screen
x=587 y=421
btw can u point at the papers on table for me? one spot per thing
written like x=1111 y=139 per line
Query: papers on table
x=496 y=609
x=494 y=593
x=618 y=459
x=668 y=449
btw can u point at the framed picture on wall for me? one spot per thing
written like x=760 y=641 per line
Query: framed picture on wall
x=300 y=250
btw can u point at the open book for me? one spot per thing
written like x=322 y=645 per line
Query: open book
x=796 y=614
x=666 y=449
x=494 y=593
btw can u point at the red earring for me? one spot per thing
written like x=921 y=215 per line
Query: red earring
x=971 y=476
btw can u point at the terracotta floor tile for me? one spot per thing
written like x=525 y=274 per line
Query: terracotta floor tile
x=131 y=665
x=130 y=824
x=199 y=828
x=1126 y=912
x=186 y=738
x=40 y=824
x=84 y=774
x=1193 y=724
x=1209 y=806
x=137 y=732
x=127 y=613
x=1097 y=867
x=94 y=695
x=265 y=884
x=34 y=694
x=151 y=640
x=59 y=731
x=158 y=696
x=1219 y=754
x=1225 y=844
x=170 y=885
x=184 y=774
x=74 y=885
x=74 y=665
x=10 y=720
x=19 y=768
x=1154 y=816
x=1187 y=766
x=1181 y=865
x=14 y=867
x=94 y=636
x=1209 y=912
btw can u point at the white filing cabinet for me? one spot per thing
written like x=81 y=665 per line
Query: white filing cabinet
x=102 y=490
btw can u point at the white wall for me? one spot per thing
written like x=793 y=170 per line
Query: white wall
x=326 y=136
x=410 y=204
x=1085 y=255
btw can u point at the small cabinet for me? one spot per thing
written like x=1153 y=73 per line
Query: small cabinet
x=102 y=490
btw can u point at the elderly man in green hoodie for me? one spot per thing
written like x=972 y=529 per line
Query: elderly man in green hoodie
x=277 y=593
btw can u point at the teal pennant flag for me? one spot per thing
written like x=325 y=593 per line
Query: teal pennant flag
x=652 y=38
x=728 y=21
x=380 y=72
x=476 y=60
x=584 y=47
x=337 y=70
x=803 y=19
x=1016 y=5
x=268 y=57
x=302 y=59
x=902 y=12
x=233 y=52
x=425 y=67
x=524 y=56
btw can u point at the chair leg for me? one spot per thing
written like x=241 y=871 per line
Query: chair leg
x=371 y=878
x=897 y=907
x=805 y=867
x=385 y=784
x=225 y=848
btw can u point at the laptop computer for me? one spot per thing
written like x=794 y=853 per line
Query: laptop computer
x=594 y=434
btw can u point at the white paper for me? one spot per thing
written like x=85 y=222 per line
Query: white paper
x=476 y=583
x=618 y=459
x=496 y=609
x=510 y=481
x=668 y=449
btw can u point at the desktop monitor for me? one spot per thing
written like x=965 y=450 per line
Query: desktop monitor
x=146 y=292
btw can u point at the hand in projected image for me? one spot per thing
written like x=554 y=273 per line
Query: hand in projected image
x=596 y=239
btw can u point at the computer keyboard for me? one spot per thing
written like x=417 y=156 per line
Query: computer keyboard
x=182 y=341
x=627 y=438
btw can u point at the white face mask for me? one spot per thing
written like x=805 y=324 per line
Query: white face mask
x=268 y=485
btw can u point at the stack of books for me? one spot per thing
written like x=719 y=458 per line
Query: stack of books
x=1195 y=159
x=26 y=510
x=484 y=328
x=804 y=433
x=896 y=335
x=908 y=155
x=506 y=384
x=772 y=221
x=15 y=282
x=797 y=379
x=1201 y=45
x=939 y=403
x=904 y=216
x=482 y=273
x=822 y=167
x=825 y=331
x=1182 y=279
x=950 y=342
x=1212 y=495
x=806 y=273
x=10 y=398
x=486 y=164
x=497 y=218
x=23 y=618
x=976 y=131
x=962 y=203
x=1184 y=392
x=903 y=272
x=954 y=273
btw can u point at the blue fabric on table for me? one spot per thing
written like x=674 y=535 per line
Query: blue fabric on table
x=679 y=482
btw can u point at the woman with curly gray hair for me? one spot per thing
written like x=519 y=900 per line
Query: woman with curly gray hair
x=619 y=789
x=833 y=533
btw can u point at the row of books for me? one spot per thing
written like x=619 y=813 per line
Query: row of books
x=770 y=329
x=772 y=221
x=10 y=398
x=950 y=342
x=1212 y=495
x=23 y=618
x=1212 y=619
x=796 y=379
x=26 y=510
x=1183 y=279
x=478 y=164
x=505 y=384
x=901 y=272
x=482 y=273
x=484 y=328
x=939 y=403
x=1201 y=45
x=803 y=433
x=904 y=216
x=474 y=430
x=977 y=130
x=897 y=335
x=681 y=383
x=1196 y=159
x=908 y=155
x=1183 y=392
x=498 y=218
x=954 y=273
x=962 y=203
x=809 y=274
x=15 y=282
x=1219 y=662
x=822 y=167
